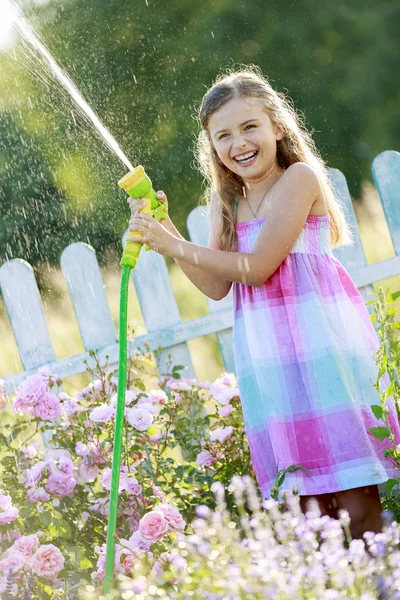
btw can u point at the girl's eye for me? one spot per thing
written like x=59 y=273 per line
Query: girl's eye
x=247 y=126
x=222 y=136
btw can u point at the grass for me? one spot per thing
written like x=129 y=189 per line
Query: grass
x=192 y=304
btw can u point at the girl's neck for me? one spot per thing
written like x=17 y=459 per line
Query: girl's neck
x=257 y=187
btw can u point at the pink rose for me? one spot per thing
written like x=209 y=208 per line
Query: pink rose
x=48 y=561
x=26 y=545
x=221 y=434
x=228 y=379
x=106 y=477
x=12 y=561
x=8 y=512
x=132 y=485
x=70 y=405
x=31 y=390
x=224 y=411
x=48 y=407
x=158 y=493
x=205 y=459
x=152 y=408
x=81 y=449
x=205 y=385
x=157 y=396
x=87 y=470
x=226 y=395
x=35 y=473
x=139 y=419
x=129 y=398
x=31 y=451
x=39 y=494
x=65 y=465
x=60 y=484
x=153 y=525
x=137 y=542
x=102 y=413
x=180 y=385
x=172 y=516
x=19 y=406
x=56 y=458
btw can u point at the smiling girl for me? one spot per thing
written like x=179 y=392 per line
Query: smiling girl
x=303 y=339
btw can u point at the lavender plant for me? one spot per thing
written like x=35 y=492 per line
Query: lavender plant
x=271 y=550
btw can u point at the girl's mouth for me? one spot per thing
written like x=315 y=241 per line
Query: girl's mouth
x=246 y=160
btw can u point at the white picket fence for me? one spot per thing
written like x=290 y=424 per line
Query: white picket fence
x=156 y=298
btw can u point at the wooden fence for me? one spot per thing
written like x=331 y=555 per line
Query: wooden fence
x=157 y=301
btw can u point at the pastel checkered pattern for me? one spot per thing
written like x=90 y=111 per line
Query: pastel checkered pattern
x=304 y=350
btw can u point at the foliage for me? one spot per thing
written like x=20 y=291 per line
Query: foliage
x=143 y=67
x=388 y=361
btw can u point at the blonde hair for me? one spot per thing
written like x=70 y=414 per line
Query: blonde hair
x=295 y=146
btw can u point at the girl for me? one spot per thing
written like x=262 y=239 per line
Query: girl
x=303 y=339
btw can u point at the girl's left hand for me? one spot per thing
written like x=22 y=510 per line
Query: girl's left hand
x=152 y=233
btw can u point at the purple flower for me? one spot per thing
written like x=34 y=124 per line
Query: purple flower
x=205 y=459
x=39 y=494
x=221 y=434
x=35 y=473
x=8 y=512
x=48 y=407
x=139 y=418
x=60 y=484
x=31 y=390
x=102 y=413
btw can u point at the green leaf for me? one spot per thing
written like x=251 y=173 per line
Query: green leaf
x=377 y=410
x=380 y=432
x=390 y=484
x=281 y=479
x=45 y=518
x=393 y=297
x=178 y=368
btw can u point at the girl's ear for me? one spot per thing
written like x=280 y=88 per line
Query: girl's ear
x=279 y=132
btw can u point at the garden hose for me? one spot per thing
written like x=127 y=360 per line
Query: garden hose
x=138 y=185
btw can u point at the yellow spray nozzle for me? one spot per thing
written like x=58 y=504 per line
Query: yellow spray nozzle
x=138 y=185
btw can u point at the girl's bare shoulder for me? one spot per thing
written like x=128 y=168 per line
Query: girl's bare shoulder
x=304 y=171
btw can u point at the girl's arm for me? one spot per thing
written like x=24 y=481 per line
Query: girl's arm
x=213 y=287
x=281 y=229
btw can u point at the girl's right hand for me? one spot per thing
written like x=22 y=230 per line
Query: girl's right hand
x=137 y=204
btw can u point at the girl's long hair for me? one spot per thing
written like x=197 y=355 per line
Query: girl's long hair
x=296 y=145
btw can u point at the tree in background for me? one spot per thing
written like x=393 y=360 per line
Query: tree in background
x=144 y=67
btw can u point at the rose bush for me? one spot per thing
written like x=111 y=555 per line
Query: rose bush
x=54 y=498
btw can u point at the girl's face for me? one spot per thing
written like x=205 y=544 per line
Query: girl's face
x=244 y=137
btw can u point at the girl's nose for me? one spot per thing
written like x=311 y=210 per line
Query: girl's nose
x=239 y=143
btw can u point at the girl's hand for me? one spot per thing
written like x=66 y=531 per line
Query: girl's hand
x=152 y=233
x=136 y=204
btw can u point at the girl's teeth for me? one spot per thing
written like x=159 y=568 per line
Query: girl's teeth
x=246 y=157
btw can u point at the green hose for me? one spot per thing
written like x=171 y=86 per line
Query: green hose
x=138 y=185
x=119 y=425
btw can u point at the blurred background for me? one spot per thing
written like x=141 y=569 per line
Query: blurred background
x=144 y=66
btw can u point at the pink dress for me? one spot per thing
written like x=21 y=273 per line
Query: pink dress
x=304 y=346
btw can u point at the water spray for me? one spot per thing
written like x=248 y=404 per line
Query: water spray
x=137 y=185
